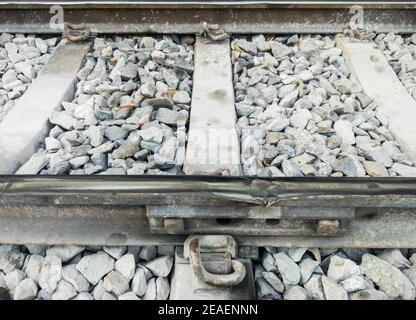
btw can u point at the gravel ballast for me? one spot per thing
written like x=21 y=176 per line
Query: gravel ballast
x=301 y=113
x=71 y=272
x=21 y=59
x=335 y=274
x=129 y=114
x=400 y=52
x=68 y=272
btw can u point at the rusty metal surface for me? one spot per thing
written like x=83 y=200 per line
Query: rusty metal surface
x=136 y=17
x=390 y=228
x=251 y=212
x=207 y=190
x=220 y=280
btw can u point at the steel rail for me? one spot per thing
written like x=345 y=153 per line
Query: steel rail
x=200 y=190
x=183 y=17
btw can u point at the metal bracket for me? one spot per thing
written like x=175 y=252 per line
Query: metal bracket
x=212 y=32
x=208 y=267
x=193 y=252
x=75 y=32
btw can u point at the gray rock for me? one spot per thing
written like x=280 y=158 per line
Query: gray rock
x=116 y=133
x=96 y=135
x=62 y=119
x=160 y=266
x=64 y=252
x=75 y=278
x=411 y=274
x=307 y=268
x=181 y=97
x=332 y=290
x=387 y=277
x=139 y=284
x=315 y=288
x=26 y=290
x=268 y=262
x=64 y=291
x=162 y=288
x=108 y=296
x=116 y=283
x=395 y=258
x=11 y=260
x=404 y=170
x=44 y=295
x=370 y=294
x=290 y=169
x=167 y=116
x=148 y=90
x=13 y=279
x=83 y=296
x=127 y=149
x=126 y=265
x=297 y=293
x=128 y=296
x=148 y=253
x=344 y=130
x=36 y=249
x=34 y=267
x=274 y=281
x=50 y=274
x=300 y=118
x=289 y=270
x=355 y=283
x=279 y=123
x=349 y=165
x=296 y=254
x=115 y=251
x=265 y=291
x=150 y=290
x=95 y=266
x=340 y=269
x=249 y=47
x=375 y=169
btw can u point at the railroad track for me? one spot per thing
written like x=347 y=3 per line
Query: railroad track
x=206 y=131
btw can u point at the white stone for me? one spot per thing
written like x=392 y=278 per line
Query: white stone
x=83 y=296
x=128 y=296
x=126 y=265
x=162 y=288
x=95 y=266
x=297 y=293
x=160 y=266
x=138 y=284
x=332 y=290
x=388 y=278
x=116 y=283
x=26 y=290
x=13 y=279
x=64 y=291
x=151 y=290
x=50 y=273
x=289 y=270
x=340 y=268
x=75 y=278
x=115 y=251
x=344 y=130
x=65 y=252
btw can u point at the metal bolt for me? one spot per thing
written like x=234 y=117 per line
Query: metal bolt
x=327 y=227
x=173 y=225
